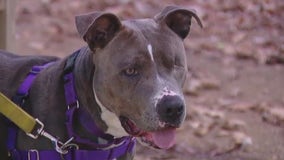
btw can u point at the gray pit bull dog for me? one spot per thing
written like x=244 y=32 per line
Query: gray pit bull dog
x=129 y=78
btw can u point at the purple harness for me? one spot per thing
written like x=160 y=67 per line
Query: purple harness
x=114 y=148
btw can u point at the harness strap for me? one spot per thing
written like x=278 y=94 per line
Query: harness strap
x=116 y=147
x=40 y=155
x=73 y=106
x=19 y=99
x=85 y=118
x=77 y=154
x=126 y=147
x=23 y=90
x=70 y=114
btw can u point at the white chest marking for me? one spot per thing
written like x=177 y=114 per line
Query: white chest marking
x=150 y=51
x=111 y=120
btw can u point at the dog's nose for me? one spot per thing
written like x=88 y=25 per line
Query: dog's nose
x=171 y=110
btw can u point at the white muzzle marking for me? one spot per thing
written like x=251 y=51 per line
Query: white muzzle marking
x=164 y=92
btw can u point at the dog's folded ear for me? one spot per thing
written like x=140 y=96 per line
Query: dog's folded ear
x=97 y=28
x=177 y=19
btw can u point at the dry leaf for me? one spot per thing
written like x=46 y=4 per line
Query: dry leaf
x=242 y=139
x=243 y=106
x=277 y=112
x=234 y=124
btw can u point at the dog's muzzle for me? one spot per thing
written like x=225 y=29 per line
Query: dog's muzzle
x=171 y=112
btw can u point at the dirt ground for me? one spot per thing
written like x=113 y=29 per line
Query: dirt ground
x=234 y=92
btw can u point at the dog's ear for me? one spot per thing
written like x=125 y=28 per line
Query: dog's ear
x=177 y=19
x=97 y=28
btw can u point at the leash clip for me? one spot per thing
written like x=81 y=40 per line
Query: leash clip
x=60 y=147
x=38 y=131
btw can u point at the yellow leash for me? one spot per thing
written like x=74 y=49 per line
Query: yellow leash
x=32 y=126
x=16 y=114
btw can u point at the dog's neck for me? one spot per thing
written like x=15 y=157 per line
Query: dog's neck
x=83 y=74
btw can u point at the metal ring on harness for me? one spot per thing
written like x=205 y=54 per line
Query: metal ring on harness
x=33 y=150
x=77 y=105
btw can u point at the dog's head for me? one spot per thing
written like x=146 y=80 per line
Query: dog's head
x=140 y=68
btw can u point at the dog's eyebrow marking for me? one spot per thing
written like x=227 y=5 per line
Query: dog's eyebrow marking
x=150 y=50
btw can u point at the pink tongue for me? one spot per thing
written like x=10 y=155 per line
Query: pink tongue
x=165 y=138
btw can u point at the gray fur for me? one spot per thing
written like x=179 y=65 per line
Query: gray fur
x=113 y=46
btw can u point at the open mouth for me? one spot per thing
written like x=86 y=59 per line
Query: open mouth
x=161 y=139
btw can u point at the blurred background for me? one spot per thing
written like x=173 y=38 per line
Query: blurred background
x=235 y=87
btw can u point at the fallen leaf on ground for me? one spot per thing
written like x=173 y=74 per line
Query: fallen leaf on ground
x=195 y=85
x=234 y=124
x=242 y=139
x=243 y=106
x=192 y=87
x=274 y=115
